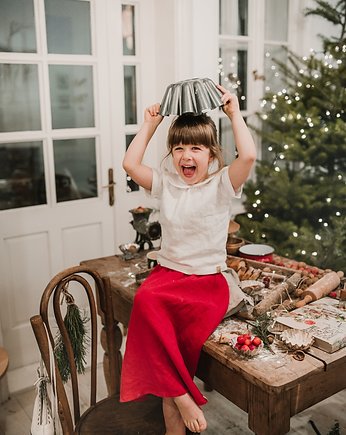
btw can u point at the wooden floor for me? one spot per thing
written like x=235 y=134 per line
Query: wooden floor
x=223 y=417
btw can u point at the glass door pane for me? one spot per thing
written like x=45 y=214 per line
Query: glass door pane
x=273 y=80
x=75 y=169
x=131 y=186
x=233 y=17
x=19 y=98
x=128 y=29
x=68 y=26
x=233 y=69
x=276 y=21
x=21 y=175
x=227 y=140
x=72 y=96
x=130 y=94
x=17 y=26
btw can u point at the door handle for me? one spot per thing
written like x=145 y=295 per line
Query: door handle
x=110 y=187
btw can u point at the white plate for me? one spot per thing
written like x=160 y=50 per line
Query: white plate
x=256 y=249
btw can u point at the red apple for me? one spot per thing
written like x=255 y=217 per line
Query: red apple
x=247 y=342
x=256 y=341
x=240 y=339
x=244 y=348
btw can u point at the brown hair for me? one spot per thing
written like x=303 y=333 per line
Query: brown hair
x=191 y=129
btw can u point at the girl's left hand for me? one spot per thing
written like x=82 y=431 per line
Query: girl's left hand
x=230 y=102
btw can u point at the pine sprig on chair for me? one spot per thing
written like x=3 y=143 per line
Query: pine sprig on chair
x=75 y=323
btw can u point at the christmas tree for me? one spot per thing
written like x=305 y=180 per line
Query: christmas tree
x=297 y=203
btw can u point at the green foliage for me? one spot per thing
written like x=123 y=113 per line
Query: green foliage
x=334 y=13
x=335 y=430
x=260 y=328
x=75 y=324
x=298 y=201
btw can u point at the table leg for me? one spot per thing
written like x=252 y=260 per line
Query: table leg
x=268 y=413
x=112 y=359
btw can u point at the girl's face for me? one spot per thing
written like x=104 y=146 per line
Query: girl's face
x=191 y=162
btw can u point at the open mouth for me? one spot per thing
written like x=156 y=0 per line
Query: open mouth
x=188 y=171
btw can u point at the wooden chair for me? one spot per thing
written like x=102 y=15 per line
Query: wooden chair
x=107 y=416
x=3 y=362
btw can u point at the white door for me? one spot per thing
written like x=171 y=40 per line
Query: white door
x=70 y=82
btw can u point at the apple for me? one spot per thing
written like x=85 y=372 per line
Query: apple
x=252 y=347
x=256 y=341
x=247 y=342
x=244 y=348
x=240 y=339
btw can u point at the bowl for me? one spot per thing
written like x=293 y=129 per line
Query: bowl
x=258 y=252
x=193 y=95
x=233 y=244
x=132 y=248
x=129 y=250
x=246 y=353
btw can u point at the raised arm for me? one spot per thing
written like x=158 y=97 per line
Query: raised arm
x=239 y=169
x=132 y=163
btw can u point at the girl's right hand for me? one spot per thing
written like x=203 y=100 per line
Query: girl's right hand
x=230 y=102
x=152 y=115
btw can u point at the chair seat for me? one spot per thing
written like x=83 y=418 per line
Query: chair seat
x=109 y=416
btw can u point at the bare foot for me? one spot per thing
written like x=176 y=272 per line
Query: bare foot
x=191 y=413
x=173 y=420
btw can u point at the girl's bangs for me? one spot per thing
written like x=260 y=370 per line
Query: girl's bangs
x=190 y=130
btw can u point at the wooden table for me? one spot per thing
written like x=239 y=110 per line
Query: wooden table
x=268 y=392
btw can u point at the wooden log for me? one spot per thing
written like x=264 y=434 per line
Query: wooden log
x=277 y=295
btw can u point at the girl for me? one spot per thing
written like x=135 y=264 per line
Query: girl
x=186 y=296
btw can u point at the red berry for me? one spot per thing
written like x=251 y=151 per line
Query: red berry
x=333 y=295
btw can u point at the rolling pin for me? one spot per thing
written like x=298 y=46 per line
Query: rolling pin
x=319 y=289
x=277 y=295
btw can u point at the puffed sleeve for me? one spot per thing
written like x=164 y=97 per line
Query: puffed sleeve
x=227 y=185
x=156 y=187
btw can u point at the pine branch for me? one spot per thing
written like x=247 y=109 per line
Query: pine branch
x=260 y=328
x=335 y=430
x=336 y=14
x=326 y=11
x=75 y=324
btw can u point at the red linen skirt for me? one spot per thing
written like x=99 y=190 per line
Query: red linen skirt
x=172 y=316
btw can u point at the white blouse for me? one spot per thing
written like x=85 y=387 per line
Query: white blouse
x=194 y=220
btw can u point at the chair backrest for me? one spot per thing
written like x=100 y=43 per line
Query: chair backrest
x=79 y=280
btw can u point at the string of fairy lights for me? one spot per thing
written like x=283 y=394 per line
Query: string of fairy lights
x=229 y=78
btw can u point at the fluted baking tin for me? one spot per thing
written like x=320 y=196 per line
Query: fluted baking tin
x=193 y=95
